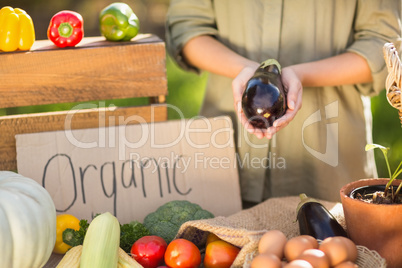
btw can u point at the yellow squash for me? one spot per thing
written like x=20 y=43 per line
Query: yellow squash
x=16 y=30
x=64 y=221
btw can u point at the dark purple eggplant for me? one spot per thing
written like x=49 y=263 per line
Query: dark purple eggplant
x=264 y=99
x=315 y=220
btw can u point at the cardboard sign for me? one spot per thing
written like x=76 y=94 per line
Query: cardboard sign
x=131 y=170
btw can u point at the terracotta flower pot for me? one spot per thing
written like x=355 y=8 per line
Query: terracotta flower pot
x=377 y=227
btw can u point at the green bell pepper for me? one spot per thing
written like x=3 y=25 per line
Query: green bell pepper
x=118 y=22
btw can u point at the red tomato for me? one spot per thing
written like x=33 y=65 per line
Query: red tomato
x=149 y=251
x=220 y=254
x=182 y=253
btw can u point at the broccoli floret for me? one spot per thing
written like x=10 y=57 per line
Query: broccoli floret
x=167 y=219
x=131 y=232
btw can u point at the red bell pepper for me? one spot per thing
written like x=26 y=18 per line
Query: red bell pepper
x=66 y=28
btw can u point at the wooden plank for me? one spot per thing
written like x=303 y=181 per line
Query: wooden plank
x=94 y=41
x=96 y=70
x=79 y=119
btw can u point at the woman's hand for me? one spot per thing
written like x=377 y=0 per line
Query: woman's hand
x=238 y=87
x=293 y=87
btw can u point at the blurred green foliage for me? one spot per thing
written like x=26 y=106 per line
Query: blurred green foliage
x=186 y=91
x=387 y=131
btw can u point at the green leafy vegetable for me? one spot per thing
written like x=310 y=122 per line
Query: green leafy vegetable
x=131 y=232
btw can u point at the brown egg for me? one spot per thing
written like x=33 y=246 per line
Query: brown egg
x=315 y=257
x=296 y=246
x=298 y=264
x=312 y=240
x=352 y=249
x=266 y=260
x=336 y=249
x=272 y=241
x=347 y=264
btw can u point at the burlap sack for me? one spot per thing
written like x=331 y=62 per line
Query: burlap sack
x=245 y=228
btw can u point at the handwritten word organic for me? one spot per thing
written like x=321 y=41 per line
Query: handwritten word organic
x=134 y=173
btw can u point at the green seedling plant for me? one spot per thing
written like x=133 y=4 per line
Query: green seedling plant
x=392 y=176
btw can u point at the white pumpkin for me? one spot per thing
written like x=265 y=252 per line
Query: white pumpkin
x=27 y=222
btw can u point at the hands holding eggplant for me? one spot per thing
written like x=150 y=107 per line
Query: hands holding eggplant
x=292 y=85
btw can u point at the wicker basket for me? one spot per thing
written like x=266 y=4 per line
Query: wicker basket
x=393 y=82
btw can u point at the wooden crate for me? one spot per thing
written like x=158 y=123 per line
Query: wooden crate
x=95 y=70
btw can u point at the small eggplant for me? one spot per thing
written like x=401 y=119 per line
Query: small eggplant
x=264 y=99
x=315 y=220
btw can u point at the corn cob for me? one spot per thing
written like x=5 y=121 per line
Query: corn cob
x=126 y=261
x=72 y=258
x=101 y=243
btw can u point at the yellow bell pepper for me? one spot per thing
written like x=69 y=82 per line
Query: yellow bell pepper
x=16 y=29
x=63 y=222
